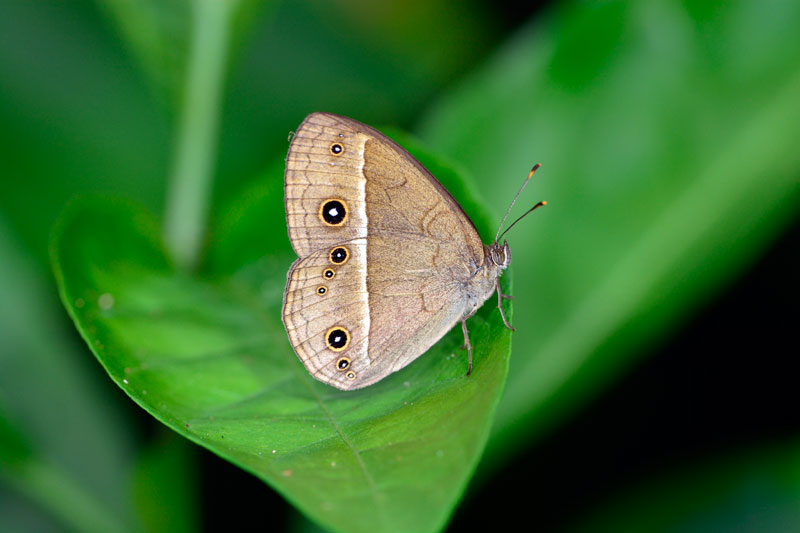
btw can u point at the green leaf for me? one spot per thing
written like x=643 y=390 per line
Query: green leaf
x=668 y=141
x=757 y=490
x=208 y=356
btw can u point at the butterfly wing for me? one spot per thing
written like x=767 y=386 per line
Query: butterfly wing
x=410 y=248
x=316 y=306
x=325 y=163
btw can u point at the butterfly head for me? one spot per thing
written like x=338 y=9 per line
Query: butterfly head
x=500 y=254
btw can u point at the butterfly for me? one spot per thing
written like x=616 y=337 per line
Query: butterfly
x=388 y=260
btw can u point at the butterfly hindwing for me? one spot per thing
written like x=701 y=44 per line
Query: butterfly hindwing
x=320 y=297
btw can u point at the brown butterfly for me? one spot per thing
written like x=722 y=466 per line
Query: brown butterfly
x=388 y=260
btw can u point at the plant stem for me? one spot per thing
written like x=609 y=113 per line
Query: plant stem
x=189 y=185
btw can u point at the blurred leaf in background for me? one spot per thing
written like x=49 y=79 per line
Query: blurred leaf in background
x=753 y=491
x=66 y=443
x=50 y=404
x=668 y=141
x=75 y=114
x=666 y=130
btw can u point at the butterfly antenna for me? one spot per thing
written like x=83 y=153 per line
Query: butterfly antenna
x=537 y=206
x=530 y=175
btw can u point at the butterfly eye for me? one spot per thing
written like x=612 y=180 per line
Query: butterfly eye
x=498 y=256
x=339 y=255
x=333 y=212
x=337 y=149
x=322 y=290
x=337 y=338
x=328 y=273
x=343 y=364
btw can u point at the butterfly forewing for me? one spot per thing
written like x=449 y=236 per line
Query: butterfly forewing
x=324 y=165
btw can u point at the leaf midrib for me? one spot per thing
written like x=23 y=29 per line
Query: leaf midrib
x=304 y=378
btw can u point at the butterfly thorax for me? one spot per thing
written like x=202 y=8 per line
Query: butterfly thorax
x=482 y=285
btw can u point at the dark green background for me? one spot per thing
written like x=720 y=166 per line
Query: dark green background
x=650 y=385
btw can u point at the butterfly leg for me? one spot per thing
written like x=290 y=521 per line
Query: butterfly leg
x=500 y=297
x=500 y=292
x=467 y=345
